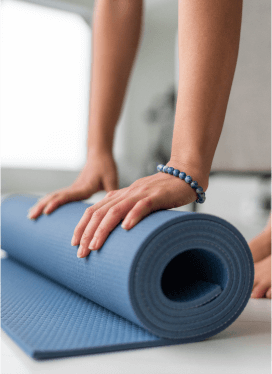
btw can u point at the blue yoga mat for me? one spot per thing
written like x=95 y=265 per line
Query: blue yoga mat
x=176 y=277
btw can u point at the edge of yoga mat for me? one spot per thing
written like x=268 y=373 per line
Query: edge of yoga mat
x=159 y=341
x=47 y=354
x=148 y=340
x=40 y=355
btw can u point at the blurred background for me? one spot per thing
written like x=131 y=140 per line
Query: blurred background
x=45 y=75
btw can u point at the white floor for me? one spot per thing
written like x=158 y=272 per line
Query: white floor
x=243 y=348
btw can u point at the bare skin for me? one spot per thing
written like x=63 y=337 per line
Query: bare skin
x=99 y=173
x=260 y=247
x=209 y=33
x=262 y=279
x=116 y=35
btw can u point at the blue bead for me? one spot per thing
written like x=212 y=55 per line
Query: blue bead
x=194 y=184
x=170 y=170
x=160 y=167
x=202 y=200
x=176 y=172
x=182 y=175
x=165 y=168
x=199 y=189
x=188 y=179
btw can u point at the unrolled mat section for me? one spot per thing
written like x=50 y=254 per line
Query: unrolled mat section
x=176 y=277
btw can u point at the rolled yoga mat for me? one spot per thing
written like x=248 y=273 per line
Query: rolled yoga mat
x=176 y=277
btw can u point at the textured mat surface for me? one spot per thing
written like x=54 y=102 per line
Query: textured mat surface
x=176 y=277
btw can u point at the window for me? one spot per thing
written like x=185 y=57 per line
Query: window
x=45 y=75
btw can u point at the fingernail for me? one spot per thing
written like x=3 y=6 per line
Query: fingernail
x=125 y=227
x=29 y=217
x=80 y=252
x=30 y=213
x=93 y=243
x=73 y=241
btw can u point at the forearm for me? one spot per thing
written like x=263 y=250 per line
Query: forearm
x=209 y=33
x=116 y=33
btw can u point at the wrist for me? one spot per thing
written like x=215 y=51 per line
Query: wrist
x=98 y=152
x=197 y=172
x=100 y=137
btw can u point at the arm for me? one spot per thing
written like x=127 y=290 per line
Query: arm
x=209 y=34
x=116 y=36
x=116 y=33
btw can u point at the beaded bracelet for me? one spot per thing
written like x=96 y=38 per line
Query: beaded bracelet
x=199 y=190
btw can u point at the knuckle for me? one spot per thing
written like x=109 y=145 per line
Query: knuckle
x=98 y=214
x=55 y=199
x=160 y=191
x=89 y=210
x=143 y=189
x=101 y=230
x=115 y=210
x=85 y=236
x=148 y=202
x=111 y=193
x=132 y=187
x=54 y=203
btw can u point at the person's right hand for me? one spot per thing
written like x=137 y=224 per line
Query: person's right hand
x=99 y=173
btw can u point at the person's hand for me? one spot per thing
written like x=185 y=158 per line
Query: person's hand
x=99 y=173
x=262 y=279
x=131 y=204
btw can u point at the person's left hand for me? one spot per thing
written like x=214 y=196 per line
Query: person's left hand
x=131 y=204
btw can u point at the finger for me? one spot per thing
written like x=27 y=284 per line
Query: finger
x=255 y=283
x=139 y=211
x=111 y=193
x=54 y=203
x=259 y=291
x=81 y=226
x=90 y=229
x=268 y=293
x=36 y=210
x=93 y=225
x=112 y=218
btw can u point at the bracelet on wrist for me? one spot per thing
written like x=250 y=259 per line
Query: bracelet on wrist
x=201 y=197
